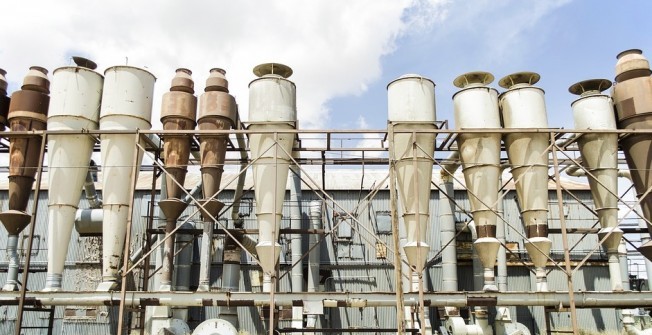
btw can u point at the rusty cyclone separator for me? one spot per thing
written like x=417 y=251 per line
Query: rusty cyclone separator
x=632 y=97
x=27 y=110
x=75 y=105
x=217 y=111
x=523 y=106
x=411 y=106
x=476 y=107
x=594 y=110
x=126 y=106
x=178 y=112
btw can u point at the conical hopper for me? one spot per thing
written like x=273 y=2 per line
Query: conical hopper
x=523 y=106
x=411 y=105
x=217 y=111
x=272 y=106
x=126 y=105
x=74 y=106
x=476 y=107
x=632 y=97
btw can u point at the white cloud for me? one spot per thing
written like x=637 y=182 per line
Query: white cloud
x=334 y=46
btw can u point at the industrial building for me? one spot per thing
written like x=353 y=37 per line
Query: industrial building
x=493 y=223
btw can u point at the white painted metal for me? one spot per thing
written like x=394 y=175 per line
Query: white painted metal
x=411 y=106
x=476 y=107
x=523 y=106
x=215 y=327
x=272 y=106
x=126 y=105
x=594 y=110
x=76 y=93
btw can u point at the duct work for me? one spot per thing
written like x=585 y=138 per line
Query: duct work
x=126 y=106
x=28 y=110
x=523 y=107
x=476 y=107
x=178 y=112
x=594 y=110
x=217 y=111
x=272 y=107
x=632 y=97
x=75 y=105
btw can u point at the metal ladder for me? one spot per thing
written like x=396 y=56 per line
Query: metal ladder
x=50 y=324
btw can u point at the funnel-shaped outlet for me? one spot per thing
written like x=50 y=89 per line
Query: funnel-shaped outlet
x=27 y=111
x=411 y=109
x=594 y=110
x=4 y=100
x=126 y=105
x=539 y=248
x=75 y=105
x=178 y=112
x=217 y=111
x=523 y=106
x=476 y=107
x=633 y=100
x=272 y=106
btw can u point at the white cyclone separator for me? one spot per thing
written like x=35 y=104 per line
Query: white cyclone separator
x=126 y=105
x=476 y=107
x=411 y=106
x=272 y=106
x=76 y=93
x=523 y=106
x=593 y=110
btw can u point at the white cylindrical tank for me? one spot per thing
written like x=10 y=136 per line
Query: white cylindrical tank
x=476 y=107
x=215 y=327
x=126 y=105
x=272 y=106
x=523 y=106
x=594 y=110
x=76 y=93
x=411 y=106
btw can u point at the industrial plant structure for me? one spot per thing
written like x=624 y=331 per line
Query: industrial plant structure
x=497 y=223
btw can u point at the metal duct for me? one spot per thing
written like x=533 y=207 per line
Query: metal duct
x=632 y=96
x=4 y=100
x=126 y=106
x=231 y=279
x=411 y=106
x=92 y=196
x=217 y=111
x=476 y=107
x=178 y=112
x=523 y=106
x=295 y=241
x=447 y=227
x=272 y=106
x=594 y=110
x=314 y=256
x=75 y=105
x=27 y=111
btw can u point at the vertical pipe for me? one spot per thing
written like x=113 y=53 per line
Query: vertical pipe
x=231 y=279
x=314 y=256
x=295 y=241
x=14 y=262
x=447 y=224
x=501 y=260
x=183 y=267
x=396 y=238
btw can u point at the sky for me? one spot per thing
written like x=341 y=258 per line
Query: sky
x=343 y=52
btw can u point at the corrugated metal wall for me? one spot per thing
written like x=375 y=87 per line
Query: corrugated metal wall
x=352 y=260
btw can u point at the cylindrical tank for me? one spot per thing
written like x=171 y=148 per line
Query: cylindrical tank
x=272 y=106
x=215 y=327
x=476 y=107
x=594 y=110
x=75 y=105
x=523 y=106
x=217 y=111
x=4 y=100
x=632 y=97
x=126 y=106
x=411 y=106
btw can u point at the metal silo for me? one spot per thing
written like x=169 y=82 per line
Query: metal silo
x=523 y=107
x=126 y=106
x=75 y=105
x=476 y=107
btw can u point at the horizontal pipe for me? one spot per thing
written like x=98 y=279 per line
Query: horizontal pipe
x=582 y=299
